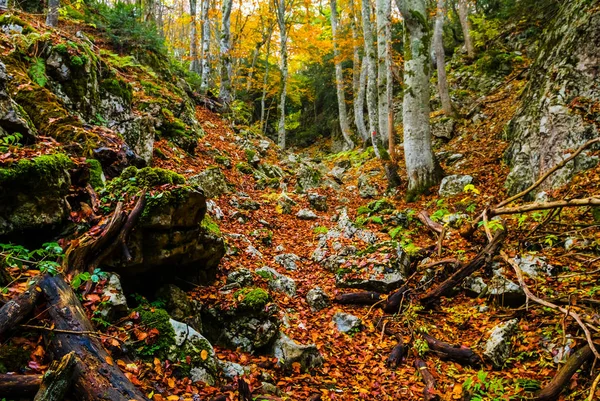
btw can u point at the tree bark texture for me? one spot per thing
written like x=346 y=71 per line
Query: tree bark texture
x=14 y=311
x=438 y=45
x=339 y=80
x=359 y=79
x=194 y=62
x=281 y=134
x=205 y=67
x=52 y=16
x=371 y=60
x=383 y=10
x=17 y=386
x=463 y=16
x=225 y=52
x=57 y=379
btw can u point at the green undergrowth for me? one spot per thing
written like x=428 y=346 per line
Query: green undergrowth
x=210 y=225
x=158 y=319
x=39 y=170
x=252 y=298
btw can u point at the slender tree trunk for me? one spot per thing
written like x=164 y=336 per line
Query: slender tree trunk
x=281 y=134
x=359 y=76
x=382 y=11
x=438 y=45
x=421 y=166
x=463 y=16
x=52 y=16
x=339 y=79
x=263 y=98
x=371 y=60
x=205 y=67
x=225 y=48
x=194 y=63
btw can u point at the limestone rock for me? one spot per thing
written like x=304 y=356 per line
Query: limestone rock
x=318 y=202
x=231 y=370
x=308 y=177
x=306 y=214
x=498 y=345
x=241 y=278
x=278 y=281
x=287 y=260
x=190 y=343
x=287 y=351
x=443 y=127
x=534 y=266
x=346 y=322
x=179 y=306
x=116 y=304
x=212 y=181
x=317 y=299
x=454 y=184
x=366 y=189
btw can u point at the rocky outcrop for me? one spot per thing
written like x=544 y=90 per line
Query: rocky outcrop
x=288 y=352
x=560 y=102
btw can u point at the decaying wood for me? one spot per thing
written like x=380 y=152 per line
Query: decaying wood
x=564 y=311
x=482 y=259
x=18 y=308
x=429 y=393
x=244 y=390
x=394 y=301
x=461 y=354
x=131 y=220
x=591 y=201
x=96 y=375
x=424 y=218
x=16 y=386
x=380 y=325
x=397 y=355
x=57 y=379
x=358 y=298
x=552 y=390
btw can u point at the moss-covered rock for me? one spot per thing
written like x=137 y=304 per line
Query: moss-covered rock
x=97 y=179
x=212 y=181
x=161 y=344
x=253 y=298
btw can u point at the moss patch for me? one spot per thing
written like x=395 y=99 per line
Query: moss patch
x=210 y=225
x=118 y=88
x=40 y=169
x=159 y=345
x=95 y=173
x=148 y=177
x=37 y=72
x=252 y=298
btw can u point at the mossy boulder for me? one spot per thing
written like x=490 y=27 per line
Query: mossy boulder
x=33 y=195
x=212 y=181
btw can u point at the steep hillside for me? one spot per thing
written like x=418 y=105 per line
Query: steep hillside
x=213 y=265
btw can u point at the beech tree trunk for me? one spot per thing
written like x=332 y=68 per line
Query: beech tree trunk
x=194 y=63
x=281 y=134
x=383 y=10
x=205 y=67
x=359 y=76
x=371 y=60
x=225 y=51
x=438 y=45
x=263 y=98
x=421 y=166
x=463 y=16
x=339 y=80
x=52 y=16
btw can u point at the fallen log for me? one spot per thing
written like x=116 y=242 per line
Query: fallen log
x=16 y=386
x=429 y=393
x=553 y=389
x=96 y=375
x=461 y=354
x=424 y=218
x=393 y=302
x=396 y=356
x=57 y=379
x=18 y=308
x=358 y=298
x=484 y=258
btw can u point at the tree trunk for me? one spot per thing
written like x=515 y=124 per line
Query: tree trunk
x=263 y=98
x=463 y=16
x=52 y=16
x=339 y=80
x=421 y=166
x=438 y=45
x=97 y=377
x=359 y=76
x=57 y=379
x=371 y=61
x=18 y=308
x=205 y=67
x=225 y=51
x=194 y=63
x=18 y=386
x=281 y=134
x=382 y=13
x=461 y=354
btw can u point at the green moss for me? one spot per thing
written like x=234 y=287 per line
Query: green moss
x=119 y=62
x=320 y=230
x=252 y=298
x=37 y=72
x=9 y=19
x=155 y=319
x=119 y=88
x=156 y=202
x=210 y=225
x=148 y=177
x=95 y=173
x=380 y=205
x=222 y=160
x=244 y=168
x=363 y=210
x=39 y=169
x=61 y=48
x=250 y=154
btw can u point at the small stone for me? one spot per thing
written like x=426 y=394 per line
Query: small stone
x=212 y=181
x=318 y=202
x=317 y=299
x=288 y=352
x=241 y=277
x=287 y=260
x=454 y=184
x=534 y=266
x=498 y=345
x=278 y=281
x=306 y=214
x=116 y=304
x=346 y=322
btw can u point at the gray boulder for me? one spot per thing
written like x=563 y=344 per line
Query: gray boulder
x=306 y=214
x=240 y=278
x=443 y=127
x=505 y=292
x=287 y=260
x=366 y=189
x=534 y=266
x=287 y=351
x=454 y=184
x=231 y=370
x=308 y=177
x=278 y=281
x=116 y=304
x=212 y=181
x=346 y=322
x=498 y=346
x=191 y=343
x=317 y=299
x=179 y=306
x=318 y=202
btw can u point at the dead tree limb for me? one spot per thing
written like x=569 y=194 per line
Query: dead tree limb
x=131 y=220
x=396 y=356
x=545 y=303
x=57 y=379
x=358 y=298
x=461 y=354
x=393 y=302
x=18 y=308
x=591 y=201
x=429 y=392
x=16 y=386
x=561 y=379
x=96 y=375
x=424 y=218
x=482 y=259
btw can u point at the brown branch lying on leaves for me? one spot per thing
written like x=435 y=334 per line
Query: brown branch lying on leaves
x=14 y=311
x=397 y=355
x=424 y=218
x=482 y=259
x=18 y=386
x=358 y=298
x=429 y=393
x=461 y=354
x=394 y=301
x=545 y=303
x=561 y=379
x=591 y=201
